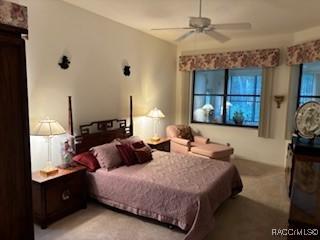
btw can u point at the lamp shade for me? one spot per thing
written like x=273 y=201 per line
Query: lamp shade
x=47 y=128
x=156 y=113
x=207 y=107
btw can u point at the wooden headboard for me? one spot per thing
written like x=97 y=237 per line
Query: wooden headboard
x=100 y=132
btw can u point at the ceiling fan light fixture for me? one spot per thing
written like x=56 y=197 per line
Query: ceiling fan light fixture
x=199 y=22
x=203 y=25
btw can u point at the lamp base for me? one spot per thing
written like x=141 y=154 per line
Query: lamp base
x=49 y=171
x=155 y=139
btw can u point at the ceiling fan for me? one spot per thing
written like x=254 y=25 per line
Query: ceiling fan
x=203 y=25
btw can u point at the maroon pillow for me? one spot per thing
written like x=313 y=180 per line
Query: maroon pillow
x=127 y=154
x=139 y=144
x=133 y=140
x=88 y=160
x=142 y=152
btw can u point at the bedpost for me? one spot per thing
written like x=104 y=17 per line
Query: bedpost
x=131 y=119
x=70 y=120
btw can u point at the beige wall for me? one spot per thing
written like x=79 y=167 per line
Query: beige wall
x=306 y=35
x=97 y=48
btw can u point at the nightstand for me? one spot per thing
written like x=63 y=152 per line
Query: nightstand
x=162 y=145
x=59 y=195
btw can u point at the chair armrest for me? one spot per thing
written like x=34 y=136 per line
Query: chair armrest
x=181 y=141
x=200 y=139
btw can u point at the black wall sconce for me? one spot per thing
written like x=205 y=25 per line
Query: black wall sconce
x=64 y=62
x=126 y=68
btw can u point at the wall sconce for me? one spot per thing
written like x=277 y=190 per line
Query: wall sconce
x=126 y=68
x=278 y=99
x=64 y=62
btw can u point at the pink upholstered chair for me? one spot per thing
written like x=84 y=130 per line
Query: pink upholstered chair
x=179 y=143
x=182 y=140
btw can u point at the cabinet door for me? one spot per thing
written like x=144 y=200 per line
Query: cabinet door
x=305 y=197
x=15 y=168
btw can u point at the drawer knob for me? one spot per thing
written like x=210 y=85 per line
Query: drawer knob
x=66 y=195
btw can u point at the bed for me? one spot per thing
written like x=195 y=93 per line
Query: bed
x=182 y=190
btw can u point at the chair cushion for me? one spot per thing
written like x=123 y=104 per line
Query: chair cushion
x=196 y=144
x=201 y=140
x=212 y=150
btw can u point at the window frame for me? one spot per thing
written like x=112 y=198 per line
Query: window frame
x=225 y=96
x=299 y=96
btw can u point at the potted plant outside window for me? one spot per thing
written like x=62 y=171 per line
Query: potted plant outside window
x=238 y=117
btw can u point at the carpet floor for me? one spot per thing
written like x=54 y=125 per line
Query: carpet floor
x=262 y=206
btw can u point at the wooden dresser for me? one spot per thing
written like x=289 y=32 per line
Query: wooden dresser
x=305 y=184
x=57 y=196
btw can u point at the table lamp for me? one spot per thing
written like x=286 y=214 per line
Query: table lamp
x=155 y=114
x=48 y=129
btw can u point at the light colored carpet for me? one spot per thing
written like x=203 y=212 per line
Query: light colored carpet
x=261 y=206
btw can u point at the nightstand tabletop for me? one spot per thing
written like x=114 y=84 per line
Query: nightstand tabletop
x=38 y=177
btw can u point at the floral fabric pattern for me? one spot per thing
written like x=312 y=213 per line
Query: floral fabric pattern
x=240 y=59
x=185 y=133
x=304 y=53
x=13 y=14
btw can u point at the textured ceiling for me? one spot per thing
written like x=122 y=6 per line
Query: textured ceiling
x=266 y=16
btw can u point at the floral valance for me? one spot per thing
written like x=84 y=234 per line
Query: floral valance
x=240 y=59
x=304 y=53
x=13 y=14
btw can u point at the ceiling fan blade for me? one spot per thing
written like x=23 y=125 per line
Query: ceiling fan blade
x=217 y=36
x=232 y=26
x=184 y=36
x=178 y=28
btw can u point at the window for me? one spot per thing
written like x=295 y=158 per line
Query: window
x=227 y=97
x=309 y=86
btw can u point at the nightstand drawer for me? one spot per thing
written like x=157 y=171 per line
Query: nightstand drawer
x=64 y=193
x=59 y=195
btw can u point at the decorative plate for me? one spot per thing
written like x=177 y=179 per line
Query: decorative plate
x=308 y=120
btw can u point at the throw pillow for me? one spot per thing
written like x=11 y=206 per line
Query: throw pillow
x=127 y=154
x=107 y=155
x=88 y=160
x=185 y=132
x=142 y=152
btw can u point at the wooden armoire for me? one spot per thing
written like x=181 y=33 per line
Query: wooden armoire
x=304 y=186
x=15 y=167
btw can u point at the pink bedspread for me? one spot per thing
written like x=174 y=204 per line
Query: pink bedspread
x=178 y=189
